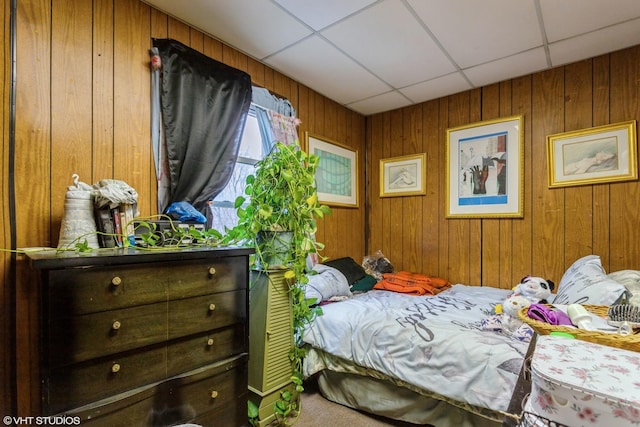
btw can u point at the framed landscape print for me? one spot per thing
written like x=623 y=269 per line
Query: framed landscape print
x=337 y=173
x=485 y=169
x=601 y=154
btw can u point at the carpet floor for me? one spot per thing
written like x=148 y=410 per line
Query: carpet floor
x=320 y=412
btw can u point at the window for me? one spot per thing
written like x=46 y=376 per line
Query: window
x=222 y=211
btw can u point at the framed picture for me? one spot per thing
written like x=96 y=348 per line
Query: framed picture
x=485 y=169
x=337 y=173
x=403 y=176
x=592 y=156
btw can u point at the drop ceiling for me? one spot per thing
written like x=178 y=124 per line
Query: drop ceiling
x=377 y=55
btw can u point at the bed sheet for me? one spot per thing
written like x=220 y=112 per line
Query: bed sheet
x=434 y=343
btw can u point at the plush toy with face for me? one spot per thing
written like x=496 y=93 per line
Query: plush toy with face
x=506 y=320
x=510 y=308
x=535 y=289
x=376 y=265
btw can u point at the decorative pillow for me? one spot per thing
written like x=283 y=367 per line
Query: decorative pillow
x=365 y=284
x=586 y=282
x=631 y=280
x=347 y=266
x=329 y=282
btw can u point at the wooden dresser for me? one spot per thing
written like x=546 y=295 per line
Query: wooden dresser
x=144 y=338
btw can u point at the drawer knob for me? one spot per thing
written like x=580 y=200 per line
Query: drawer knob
x=212 y=271
x=116 y=325
x=214 y=394
x=116 y=281
x=115 y=368
x=212 y=307
x=210 y=342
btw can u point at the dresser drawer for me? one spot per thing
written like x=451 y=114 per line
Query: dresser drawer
x=138 y=408
x=79 y=338
x=220 y=389
x=68 y=388
x=200 y=314
x=91 y=290
x=195 y=278
x=177 y=400
x=206 y=348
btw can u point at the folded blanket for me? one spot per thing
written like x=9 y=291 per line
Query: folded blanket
x=412 y=283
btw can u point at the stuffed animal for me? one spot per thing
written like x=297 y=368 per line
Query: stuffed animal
x=510 y=308
x=530 y=290
x=536 y=289
x=376 y=265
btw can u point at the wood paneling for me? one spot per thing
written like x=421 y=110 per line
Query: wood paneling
x=102 y=90
x=7 y=295
x=71 y=99
x=131 y=100
x=559 y=225
x=624 y=198
x=82 y=102
x=83 y=106
x=33 y=172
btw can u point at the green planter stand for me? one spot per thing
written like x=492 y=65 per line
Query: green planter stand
x=270 y=340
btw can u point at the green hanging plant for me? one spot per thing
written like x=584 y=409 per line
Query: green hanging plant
x=282 y=198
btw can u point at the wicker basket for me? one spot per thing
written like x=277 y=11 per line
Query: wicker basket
x=627 y=342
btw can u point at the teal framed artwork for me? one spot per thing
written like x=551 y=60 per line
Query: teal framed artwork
x=337 y=173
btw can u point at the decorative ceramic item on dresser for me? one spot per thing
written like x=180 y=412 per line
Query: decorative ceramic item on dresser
x=142 y=338
x=78 y=220
x=98 y=215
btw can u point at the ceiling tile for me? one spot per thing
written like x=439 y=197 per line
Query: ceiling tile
x=474 y=32
x=320 y=14
x=595 y=43
x=507 y=68
x=317 y=64
x=240 y=23
x=390 y=42
x=436 y=88
x=568 y=18
x=357 y=51
x=377 y=104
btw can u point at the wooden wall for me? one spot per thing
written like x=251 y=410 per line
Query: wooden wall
x=559 y=225
x=82 y=101
x=83 y=96
x=7 y=297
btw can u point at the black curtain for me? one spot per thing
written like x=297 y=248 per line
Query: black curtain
x=204 y=106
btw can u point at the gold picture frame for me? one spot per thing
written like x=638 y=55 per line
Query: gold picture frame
x=485 y=169
x=403 y=176
x=597 y=155
x=337 y=173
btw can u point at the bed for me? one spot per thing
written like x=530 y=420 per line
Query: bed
x=427 y=359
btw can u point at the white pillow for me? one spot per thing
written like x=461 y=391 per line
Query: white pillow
x=631 y=280
x=586 y=282
x=329 y=282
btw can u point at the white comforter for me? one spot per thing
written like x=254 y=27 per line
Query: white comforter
x=434 y=343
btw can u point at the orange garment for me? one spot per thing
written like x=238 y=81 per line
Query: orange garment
x=412 y=283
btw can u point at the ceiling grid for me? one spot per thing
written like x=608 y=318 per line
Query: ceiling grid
x=378 y=55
